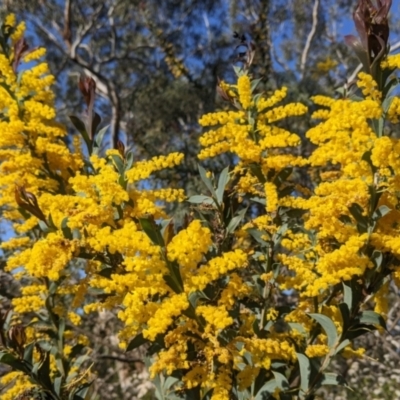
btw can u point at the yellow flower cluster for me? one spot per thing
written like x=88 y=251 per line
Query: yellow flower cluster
x=244 y=90
x=241 y=135
x=368 y=86
x=143 y=169
x=391 y=62
x=189 y=246
x=17 y=383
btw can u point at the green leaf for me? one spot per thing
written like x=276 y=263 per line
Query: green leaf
x=226 y=336
x=66 y=230
x=206 y=180
x=152 y=231
x=342 y=345
x=222 y=182
x=8 y=90
x=389 y=88
x=80 y=360
x=388 y=101
x=57 y=385
x=305 y=369
x=345 y=311
x=51 y=223
x=254 y=83
x=257 y=172
x=136 y=342
x=28 y=352
x=348 y=296
x=330 y=378
x=80 y=126
x=381 y=212
x=119 y=163
x=235 y=221
x=358 y=330
x=345 y=219
x=84 y=392
x=282 y=176
x=258 y=236
x=328 y=326
x=129 y=160
x=200 y=199
x=372 y=318
x=194 y=297
x=268 y=387
x=297 y=327
x=98 y=140
x=61 y=329
x=122 y=181
x=176 y=273
x=12 y=361
x=53 y=288
x=359 y=50
x=367 y=157
x=96 y=121
x=258 y=200
x=172 y=283
x=76 y=350
x=377 y=126
x=44 y=227
x=362 y=222
x=377 y=259
x=41 y=370
x=281 y=380
x=106 y=271
x=44 y=344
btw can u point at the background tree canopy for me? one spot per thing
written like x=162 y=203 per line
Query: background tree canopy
x=156 y=64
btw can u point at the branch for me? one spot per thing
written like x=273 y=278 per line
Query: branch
x=112 y=29
x=84 y=30
x=104 y=86
x=309 y=39
x=67 y=33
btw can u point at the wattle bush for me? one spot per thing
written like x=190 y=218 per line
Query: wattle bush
x=282 y=262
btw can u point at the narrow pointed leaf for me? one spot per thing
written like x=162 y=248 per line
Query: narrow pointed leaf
x=328 y=326
x=305 y=369
x=222 y=182
x=80 y=126
x=200 y=199
x=330 y=378
x=206 y=180
x=268 y=387
x=342 y=345
x=138 y=341
x=98 y=140
x=372 y=318
x=235 y=221
x=348 y=296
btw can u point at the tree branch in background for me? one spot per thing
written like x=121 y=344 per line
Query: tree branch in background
x=261 y=35
x=105 y=87
x=310 y=37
